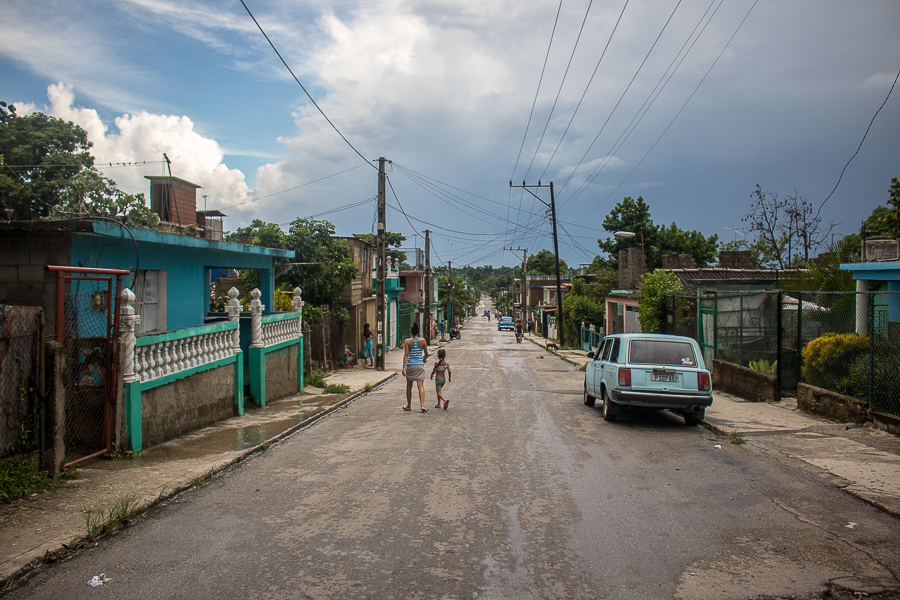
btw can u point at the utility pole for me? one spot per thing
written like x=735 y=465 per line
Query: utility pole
x=428 y=287
x=380 y=312
x=552 y=207
x=450 y=289
x=524 y=260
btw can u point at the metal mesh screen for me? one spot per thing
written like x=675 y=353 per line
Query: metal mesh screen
x=20 y=371
x=846 y=342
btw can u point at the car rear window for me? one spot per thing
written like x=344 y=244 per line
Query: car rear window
x=662 y=352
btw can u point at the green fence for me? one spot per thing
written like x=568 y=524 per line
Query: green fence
x=406 y=314
x=847 y=342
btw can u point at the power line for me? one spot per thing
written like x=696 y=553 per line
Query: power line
x=368 y=162
x=679 y=110
x=584 y=93
x=648 y=102
x=890 y=91
x=401 y=207
x=536 y=92
x=559 y=91
x=291 y=189
x=630 y=83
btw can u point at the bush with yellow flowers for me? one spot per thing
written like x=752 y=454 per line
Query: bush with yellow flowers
x=828 y=361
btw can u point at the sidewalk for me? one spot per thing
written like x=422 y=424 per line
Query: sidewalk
x=860 y=460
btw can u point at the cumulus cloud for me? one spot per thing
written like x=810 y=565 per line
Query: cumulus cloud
x=146 y=136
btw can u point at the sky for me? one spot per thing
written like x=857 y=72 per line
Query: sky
x=687 y=103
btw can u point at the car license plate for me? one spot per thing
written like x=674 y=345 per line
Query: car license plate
x=667 y=378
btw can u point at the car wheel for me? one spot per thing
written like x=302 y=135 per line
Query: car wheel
x=610 y=409
x=588 y=399
x=694 y=418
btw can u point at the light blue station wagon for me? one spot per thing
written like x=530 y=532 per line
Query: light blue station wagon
x=651 y=371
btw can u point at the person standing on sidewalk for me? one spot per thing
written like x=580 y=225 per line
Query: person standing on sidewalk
x=368 y=358
x=415 y=351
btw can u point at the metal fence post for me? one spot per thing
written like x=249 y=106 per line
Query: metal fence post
x=871 y=304
x=799 y=335
x=778 y=335
x=741 y=339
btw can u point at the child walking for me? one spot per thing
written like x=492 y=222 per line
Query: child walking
x=442 y=370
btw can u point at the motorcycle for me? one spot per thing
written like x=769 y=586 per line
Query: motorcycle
x=518 y=337
x=454 y=333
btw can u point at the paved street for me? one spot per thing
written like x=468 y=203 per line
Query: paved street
x=517 y=491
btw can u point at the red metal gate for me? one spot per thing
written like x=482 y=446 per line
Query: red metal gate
x=87 y=325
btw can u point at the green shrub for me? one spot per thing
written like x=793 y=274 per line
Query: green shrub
x=827 y=361
x=316 y=379
x=886 y=380
x=654 y=287
x=20 y=477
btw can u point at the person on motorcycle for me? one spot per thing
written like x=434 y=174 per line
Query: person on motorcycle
x=518 y=329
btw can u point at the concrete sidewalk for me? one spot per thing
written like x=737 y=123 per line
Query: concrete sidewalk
x=860 y=460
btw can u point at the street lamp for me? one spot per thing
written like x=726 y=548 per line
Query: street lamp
x=629 y=235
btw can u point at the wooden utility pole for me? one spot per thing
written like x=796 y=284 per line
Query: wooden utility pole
x=428 y=287
x=380 y=309
x=552 y=207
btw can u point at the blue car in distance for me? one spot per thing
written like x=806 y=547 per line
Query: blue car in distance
x=506 y=323
x=651 y=371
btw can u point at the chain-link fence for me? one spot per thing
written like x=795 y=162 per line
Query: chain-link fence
x=21 y=370
x=847 y=342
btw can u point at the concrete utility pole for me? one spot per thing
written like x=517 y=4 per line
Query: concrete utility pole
x=380 y=309
x=428 y=287
x=552 y=207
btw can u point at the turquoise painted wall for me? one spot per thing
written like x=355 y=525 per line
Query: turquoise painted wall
x=187 y=267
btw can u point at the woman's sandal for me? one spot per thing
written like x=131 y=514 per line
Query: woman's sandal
x=406 y=408
x=424 y=410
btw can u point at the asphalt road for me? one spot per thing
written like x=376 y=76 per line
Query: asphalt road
x=517 y=491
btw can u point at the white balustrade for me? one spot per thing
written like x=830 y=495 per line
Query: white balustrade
x=165 y=357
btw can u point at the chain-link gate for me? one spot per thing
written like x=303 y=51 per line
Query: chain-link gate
x=87 y=324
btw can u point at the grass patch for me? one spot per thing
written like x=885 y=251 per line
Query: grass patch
x=735 y=438
x=368 y=387
x=315 y=379
x=336 y=388
x=116 y=515
x=20 y=476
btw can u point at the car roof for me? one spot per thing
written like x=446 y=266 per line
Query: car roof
x=652 y=336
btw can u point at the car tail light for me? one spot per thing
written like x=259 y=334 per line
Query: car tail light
x=625 y=377
x=703 y=382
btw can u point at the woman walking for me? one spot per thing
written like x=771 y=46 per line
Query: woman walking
x=415 y=351
x=368 y=358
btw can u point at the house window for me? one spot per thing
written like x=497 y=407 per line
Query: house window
x=150 y=300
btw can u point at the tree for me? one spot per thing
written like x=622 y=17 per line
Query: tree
x=783 y=226
x=392 y=241
x=894 y=202
x=654 y=287
x=634 y=216
x=39 y=155
x=581 y=306
x=544 y=263
x=823 y=274
x=329 y=267
x=90 y=194
x=46 y=170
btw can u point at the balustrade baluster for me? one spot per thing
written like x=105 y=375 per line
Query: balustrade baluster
x=167 y=357
x=155 y=362
x=217 y=338
x=179 y=354
x=142 y=362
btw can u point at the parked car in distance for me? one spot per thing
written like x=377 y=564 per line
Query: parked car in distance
x=506 y=324
x=651 y=371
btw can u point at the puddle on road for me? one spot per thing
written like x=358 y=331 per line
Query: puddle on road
x=235 y=435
